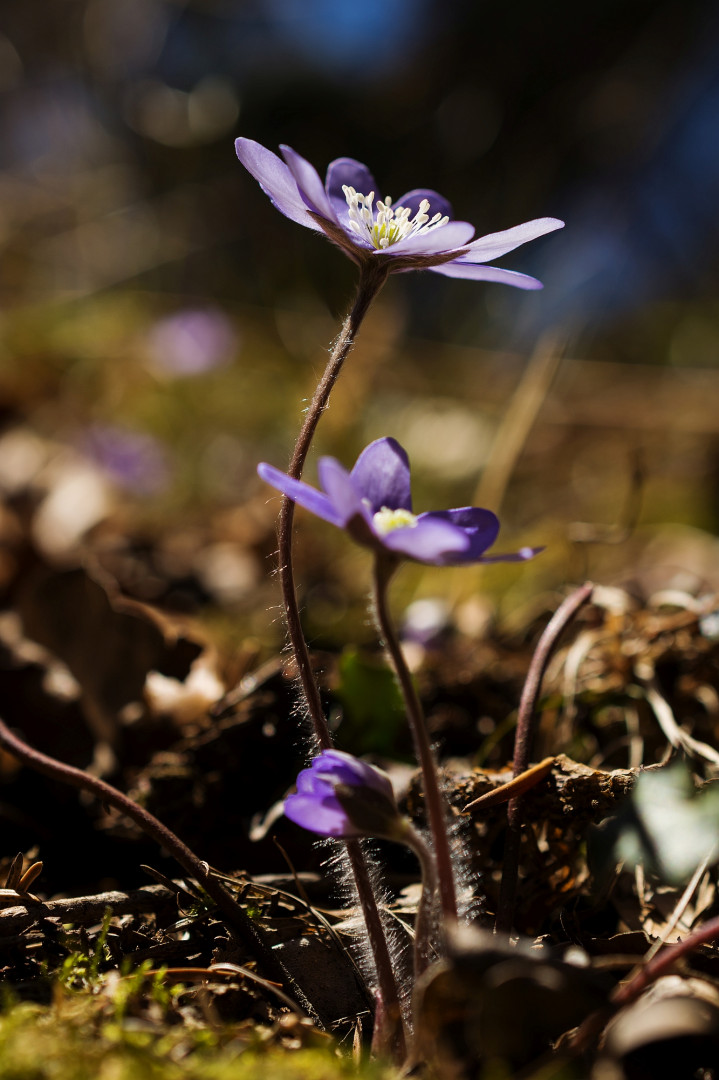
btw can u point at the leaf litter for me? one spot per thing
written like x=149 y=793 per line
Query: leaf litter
x=100 y=933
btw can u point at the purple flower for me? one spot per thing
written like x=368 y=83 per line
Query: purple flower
x=191 y=342
x=134 y=460
x=415 y=232
x=374 y=504
x=343 y=797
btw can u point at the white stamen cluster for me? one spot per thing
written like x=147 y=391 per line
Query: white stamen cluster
x=386 y=520
x=381 y=224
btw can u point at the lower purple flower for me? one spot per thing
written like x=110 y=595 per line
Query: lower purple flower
x=374 y=504
x=342 y=797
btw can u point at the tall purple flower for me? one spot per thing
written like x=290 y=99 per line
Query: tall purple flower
x=374 y=504
x=416 y=232
x=343 y=797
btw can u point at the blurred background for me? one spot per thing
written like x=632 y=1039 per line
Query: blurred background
x=161 y=323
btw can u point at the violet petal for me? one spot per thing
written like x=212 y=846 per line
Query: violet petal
x=495 y=244
x=480 y=272
x=323 y=816
x=310 y=186
x=275 y=179
x=301 y=493
x=343 y=768
x=456 y=234
x=381 y=475
x=522 y=555
x=480 y=526
x=347 y=171
x=310 y=783
x=341 y=490
x=429 y=541
x=437 y=203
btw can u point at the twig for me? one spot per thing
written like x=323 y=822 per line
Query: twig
x=513 y=788
x=86 y=910
x=681 y=905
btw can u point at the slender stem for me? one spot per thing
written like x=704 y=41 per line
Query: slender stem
x=373 y=275
x=523 y=747
x=436 y=812
x=234 y=915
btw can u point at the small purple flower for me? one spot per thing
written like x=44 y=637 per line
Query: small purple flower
x=416 y=232
x=191 y=342
x=343 y=797
x=133 y=460
x=374 y=504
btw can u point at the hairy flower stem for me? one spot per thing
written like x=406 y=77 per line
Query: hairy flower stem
x=235 y=916
x=424 y=949
x=373 y=275
x=393 y=1037
x=523 y=747
x=384 y=568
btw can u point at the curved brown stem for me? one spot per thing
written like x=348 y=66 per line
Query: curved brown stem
x=235 y=917
x=628 y=992
x=523 y=746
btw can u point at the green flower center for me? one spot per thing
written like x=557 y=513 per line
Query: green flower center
x=381 y=224
x=386 y=520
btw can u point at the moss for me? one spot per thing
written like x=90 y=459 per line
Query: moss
x=81 y=1037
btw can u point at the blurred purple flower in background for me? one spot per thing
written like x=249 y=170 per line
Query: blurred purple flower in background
x=374 y=504
x=343 y=797
x=416 y=232
x=191 y=342
x=133 y=460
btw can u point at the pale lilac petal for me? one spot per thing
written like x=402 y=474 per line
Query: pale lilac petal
x=323 y=816
x=347 y=171
x=275 y=179
x=429 y=541
x=309 y=183
x=301 y=493
x=437 y=203
x=381 y=475
x=480 y=272
x=481 y=527
x=456 y=234
x=343 y=494
x=495 y=244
